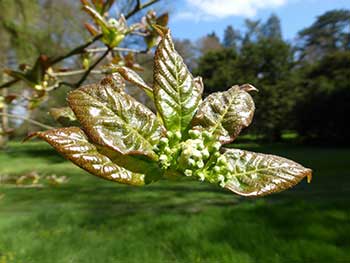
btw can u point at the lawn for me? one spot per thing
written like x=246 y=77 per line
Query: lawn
x=92 y=220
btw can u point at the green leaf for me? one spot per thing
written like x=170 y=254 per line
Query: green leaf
x=65 y=116
x=177 y=94
x=224 y=114
x=73 y=144
x=113 y=118
x=131 y=76
x=257 y=174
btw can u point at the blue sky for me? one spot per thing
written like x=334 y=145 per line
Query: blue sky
x=195 y=18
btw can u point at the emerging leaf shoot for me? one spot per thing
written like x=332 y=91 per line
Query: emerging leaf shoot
x=121 y=140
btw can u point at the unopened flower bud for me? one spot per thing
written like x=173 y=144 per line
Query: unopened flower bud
x=178 y=135
x=201 y=176
x=200 y=164
x=188 y=172
x=194 y=134
x=205 y=153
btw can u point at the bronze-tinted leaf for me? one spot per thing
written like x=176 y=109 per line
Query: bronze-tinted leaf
x=65 y=116
x=224 y=114
x=257 y=174
x=73 y=144
x=115 y=119
x=131 y=76
x=177 y=95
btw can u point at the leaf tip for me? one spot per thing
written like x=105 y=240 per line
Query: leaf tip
x=248 y=87
x=161 y=30
x=308 y=175
x=30 y=136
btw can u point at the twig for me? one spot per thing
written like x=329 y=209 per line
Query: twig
x=76 y=72
x=77 y=50
x=103 y=49
x=9 y=83
x=28 y=120
x=138 y=7
x=87 y=72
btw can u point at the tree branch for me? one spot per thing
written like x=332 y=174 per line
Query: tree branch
x=139 y=7
x=77 y=50
x=103 y=49
x=76 y=72
x=42 y=125
x=87 y=72
x=9 y=83
x=80 y=49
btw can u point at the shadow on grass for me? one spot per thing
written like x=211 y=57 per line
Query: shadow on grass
x=291 y=231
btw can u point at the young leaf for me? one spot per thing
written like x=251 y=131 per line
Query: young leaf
x=224 y=114
x=115 y=119
x=131 y=76
x=257 y=174
x=177 y=95
x=73 y=144
x=65 y=116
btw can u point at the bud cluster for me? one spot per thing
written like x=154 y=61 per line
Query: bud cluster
x=221 y=171
x=167 y=149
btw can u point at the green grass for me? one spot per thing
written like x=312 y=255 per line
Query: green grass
x=92 y=220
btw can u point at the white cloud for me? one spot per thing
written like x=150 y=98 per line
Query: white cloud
x=204 y=9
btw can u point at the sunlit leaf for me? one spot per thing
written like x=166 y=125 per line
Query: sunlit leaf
x=177 y=95
x=131 y=76
x=224 y=114
x=116 y=120
x=73 y=144
x=257 y=174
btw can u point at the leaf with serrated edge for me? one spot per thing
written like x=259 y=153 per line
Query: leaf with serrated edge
x=131 y=76
x=176 y=93
x=116 y=120
x=257 y=174
x=224 y=114
x=73 y=144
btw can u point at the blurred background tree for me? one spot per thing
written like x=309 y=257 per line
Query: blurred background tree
x=48 y=33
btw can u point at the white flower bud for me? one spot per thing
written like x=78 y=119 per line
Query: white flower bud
x=188 y=172
x=205 y=153
x=178 y=135
x=163 y=141
x=169 y=134
x=200 y=164
x=163 y=158
x=221 y=179
x=207 y=135
x=216 y=169
x=222 y=160
x=191 y=162
x=201 y=176
x=217 y=146
x=195 y=134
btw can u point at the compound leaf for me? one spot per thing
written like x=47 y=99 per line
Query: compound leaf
x=257 y=174
x=224 y=114
x=73 y=144
x=177 y=94
x=113 y=118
